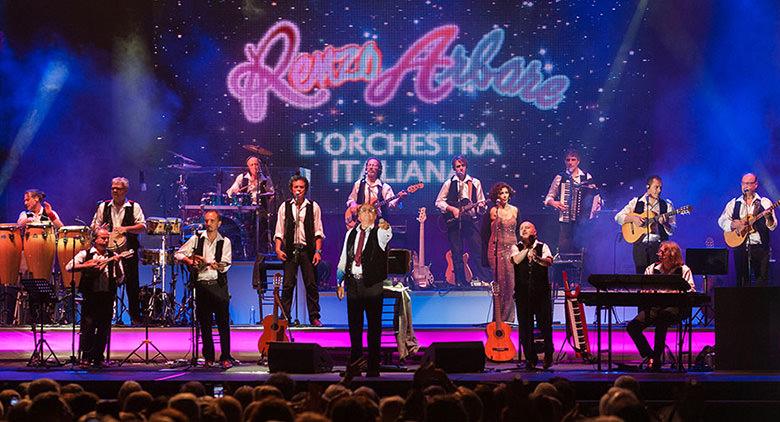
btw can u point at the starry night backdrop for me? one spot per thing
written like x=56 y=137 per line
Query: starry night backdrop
x=687 y=90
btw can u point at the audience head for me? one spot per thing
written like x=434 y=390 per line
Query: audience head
x=186 y=403
x=42 y=385
x=390 y=408
x=49 y=406
x=195 y=387
x=263 y=391
x=446 y=407
x=270 y=409
x=127 y=387
x=354 y=409
x=284 y=383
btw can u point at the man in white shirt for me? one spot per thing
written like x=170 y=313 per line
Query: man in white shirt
x=362 y=269
x=101 y=272
x=646 y=248
x=298 y=239
x=261 y=189
x=532 y=260
x=209 y=256
x=459 y=191
x=756 y=246
x=371 y=188
x=126 y=217
x=37 y=210
x=669 y=262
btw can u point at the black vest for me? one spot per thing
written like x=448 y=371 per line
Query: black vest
x=361 y=196
x=374 y=259
x=760 y=225
x=452 y=194
x=90 y=278
x=531 y=274
x=662 y=207
x=289 y=228
x=127 y=220
x=221 y=277
x=44 y=217
x=262 y=188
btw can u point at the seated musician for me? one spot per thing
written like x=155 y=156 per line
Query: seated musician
x=669 y=262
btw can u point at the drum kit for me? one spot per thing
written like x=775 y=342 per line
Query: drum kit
x=29 y=251
x=157 y=305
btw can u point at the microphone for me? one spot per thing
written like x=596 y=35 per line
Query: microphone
x=142 y=181
x=746 y=190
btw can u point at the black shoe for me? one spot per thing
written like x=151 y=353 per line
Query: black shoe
x=548 y=361
x=530 y=366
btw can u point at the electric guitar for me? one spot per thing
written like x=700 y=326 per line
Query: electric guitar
x=465 y=206
x=633 y=232
x=274 y=329
x=576 y=326
x=350 y=215
x=499 y=346
x=449 y=274
x=421 y=273
x=735 y=238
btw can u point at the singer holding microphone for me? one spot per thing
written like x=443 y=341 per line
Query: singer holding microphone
x=370 y=188
x=532 y=259
x=37 y=210
x=298 y=239
x=756 y=247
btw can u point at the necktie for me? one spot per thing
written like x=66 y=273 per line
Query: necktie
x=359 y=253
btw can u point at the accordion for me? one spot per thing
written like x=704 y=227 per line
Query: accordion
x=578 y=200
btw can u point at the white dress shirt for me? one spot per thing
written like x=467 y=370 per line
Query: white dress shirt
x=557 y=192
x=209 y=254
x=36 y=217
x=81 y=257
x=370 y=191
x=725 y=218
x=686 y=274
x=118 y=214
x=251 y=185
x=383 y=236
x=519 y=256
x=300 y=215
x=669 y=225
x=463 y=192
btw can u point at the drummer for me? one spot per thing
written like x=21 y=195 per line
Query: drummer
x=253 y=182
x=123 y=216
x=37 y=210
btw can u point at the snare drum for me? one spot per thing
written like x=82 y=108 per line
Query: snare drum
x=10 y=253
x=70 y=241
x=213 y=198
x=241 y=199
x=39 y=248
x=152 y=257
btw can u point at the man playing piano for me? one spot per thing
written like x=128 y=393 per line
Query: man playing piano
x=669 y=262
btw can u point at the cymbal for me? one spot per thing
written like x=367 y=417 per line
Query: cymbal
x=184 y=167
x=181 y=157
x=257 y=150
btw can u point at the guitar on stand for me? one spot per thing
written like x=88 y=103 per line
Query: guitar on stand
x=350 y=215
x=633 y=232
x=274 y=328
x=576 y=327
x=735 y=238
x=499 y=346
x=421 y=273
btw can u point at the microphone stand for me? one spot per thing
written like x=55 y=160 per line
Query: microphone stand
x=296 y=257
x=648 y=230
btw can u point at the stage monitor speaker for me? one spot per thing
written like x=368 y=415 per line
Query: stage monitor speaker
x=457 y=356
x=746 y=321
x=298 y=358
x=399 y=261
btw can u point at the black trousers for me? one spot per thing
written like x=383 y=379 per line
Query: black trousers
x=213 y=300
x=291 y=265
x=465 y=233
x=362 y=299
x=645 y=253
x=759 y=265
x=662 y=319
x=534 y=302
x=96 y=311
x=132 y=287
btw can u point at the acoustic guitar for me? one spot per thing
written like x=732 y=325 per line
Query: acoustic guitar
x=735 y=238
x=499 y=346
x=274 y=329
x=449 y=274
x=421 y=273
x=633 y=232
x=350 y=215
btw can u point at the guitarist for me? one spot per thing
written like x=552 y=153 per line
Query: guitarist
x=209 y=256
x=532 y=260
x=646 y=249
x=362 y=269
x=101 y=272
x=371 y=188
x=462 y=230
x=757 y=243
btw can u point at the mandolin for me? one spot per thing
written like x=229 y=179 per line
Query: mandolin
x=633 y=232
x=274 y=328
x=735 y=238
x=350 y=215
x=499 y=346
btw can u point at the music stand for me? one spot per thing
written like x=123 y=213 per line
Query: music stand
x=707 y=262
x=39 y=293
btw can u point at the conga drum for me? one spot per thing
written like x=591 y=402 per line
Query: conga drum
x=10 y=253
x=39 y=248
x=70 y=241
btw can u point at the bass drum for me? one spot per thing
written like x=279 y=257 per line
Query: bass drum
x=230 y=228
